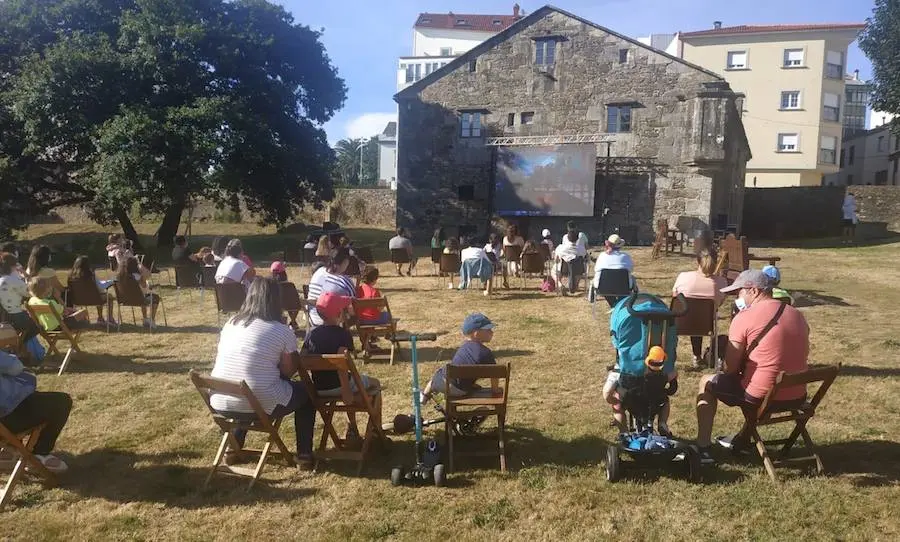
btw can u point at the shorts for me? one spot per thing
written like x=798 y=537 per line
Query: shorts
x=848 y=223
x=438 y=384
x=612 y=382
x=727 y=389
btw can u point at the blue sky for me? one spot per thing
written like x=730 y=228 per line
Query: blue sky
x=365 y=38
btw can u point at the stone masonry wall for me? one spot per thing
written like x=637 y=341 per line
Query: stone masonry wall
x=672 y=163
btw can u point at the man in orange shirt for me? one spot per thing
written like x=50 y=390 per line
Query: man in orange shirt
x=765 y=338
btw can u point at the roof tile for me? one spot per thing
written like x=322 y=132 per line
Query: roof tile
x=460 y=21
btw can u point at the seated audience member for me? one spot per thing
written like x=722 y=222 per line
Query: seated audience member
x=401 y=241
x=700 y=284
x=218 y=248
x=778 y=293
x=613 y=257
x=477 y=330
x=232 y=268
x=765 y=338
x=10 y=248
x=244 y=257
x=13 y=291
x=180 y=253
x=41 y=295
x=324 y=248
x=279 y=274
x=82 y=273
x=256 y=347
x=23 y=408
x=546 y=239
x=451 y=246
x=331 y=278
x=474 y=263
x=612 y=396
x=39 y=266
x=437 y=240
x=332 y=338
x=530 y=248
x=494 y=251
x=209 y=260
x=569 y=259
x=312 y=241
x=512 y=238
x=115 y=248
x=368 y=290
x=134 y=272
x=582 y=237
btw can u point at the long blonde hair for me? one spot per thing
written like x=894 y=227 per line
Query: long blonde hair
x=324 y=248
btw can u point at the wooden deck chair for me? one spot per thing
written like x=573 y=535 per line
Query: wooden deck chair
x=449 y=266
x=662 y=228
x=258 y=421
x=290 y=299
x=613 y=283
x=229 y=298
x=544 y=250
x=369 y=331
x=735 y=257
x=53 y=337
x=189 y=277
x=486 y=402
x=770 y=413
x=436 y=259
x=345 y=399
x=399 y=256
x=22 y=445
x=86 y=293
x=512 y=254
x=674 y=237
x=129 y=294
x=700 y=320
x=532 y=263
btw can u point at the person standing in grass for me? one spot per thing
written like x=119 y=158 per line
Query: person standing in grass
x=256 y=347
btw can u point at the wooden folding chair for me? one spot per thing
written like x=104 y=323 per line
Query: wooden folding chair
x=369 y=331
x=189 y=277
x=436 y=259
x=770 y=412
x=662 y=228
x=544 y=250
x=208 y=278
x=258 y=421
x=485 y=402
x=129 y=294
x=399 y=256
x=700 y=320
x=512 y=254
x=86 y=293
x=533 y=263
x=329 y=402
x=735 y=257
x=22 y=445
x=229 y=298
x=449 y=266
x=52 y=337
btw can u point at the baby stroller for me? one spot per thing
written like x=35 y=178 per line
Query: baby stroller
x=644 y=336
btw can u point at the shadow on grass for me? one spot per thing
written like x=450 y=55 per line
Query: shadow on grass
x=155 y=478
x=813 y=298
x=868 y=463
x=872 y=372
x=886 y=238
x=87 y=363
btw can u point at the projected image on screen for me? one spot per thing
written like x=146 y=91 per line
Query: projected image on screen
x=546 y=181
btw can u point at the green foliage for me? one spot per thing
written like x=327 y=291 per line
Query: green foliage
x=347 y=169
x=156 y=102
x=880 y=41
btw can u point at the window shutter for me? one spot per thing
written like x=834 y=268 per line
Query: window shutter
x=831 y=100
x=834 y=57
x=828 y=143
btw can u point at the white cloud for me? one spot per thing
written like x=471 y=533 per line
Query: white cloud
x=368 y=124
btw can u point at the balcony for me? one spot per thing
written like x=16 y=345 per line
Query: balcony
x=411 y=69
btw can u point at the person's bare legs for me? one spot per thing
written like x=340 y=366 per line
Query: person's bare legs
x=100 y=312
x=706 y=413
x=612 y=398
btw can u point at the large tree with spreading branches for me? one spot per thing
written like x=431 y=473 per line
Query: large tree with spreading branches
x=154 y=103
x=880 y=41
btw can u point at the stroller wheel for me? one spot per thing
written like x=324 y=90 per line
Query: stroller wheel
x=396 y=476
x=692 y=457
x=613 y=466
x=439 y=475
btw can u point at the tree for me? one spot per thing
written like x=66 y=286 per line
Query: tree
x=159 y=102
x=347 y=170
x=880 y=41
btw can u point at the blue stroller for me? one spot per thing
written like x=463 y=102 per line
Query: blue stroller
x=642 y=328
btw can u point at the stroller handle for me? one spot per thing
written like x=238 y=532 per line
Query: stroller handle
x=629 y=306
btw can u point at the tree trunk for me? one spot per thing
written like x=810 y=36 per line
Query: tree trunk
x=168 y=229
x=128 y=229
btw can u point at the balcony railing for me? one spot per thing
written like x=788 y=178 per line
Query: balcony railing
x=412 y=69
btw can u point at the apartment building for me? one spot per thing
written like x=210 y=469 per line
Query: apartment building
x=870 y=158
x=792 y=79
x=856 y=102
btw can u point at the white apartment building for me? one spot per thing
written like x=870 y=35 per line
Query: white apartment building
x=871 y=158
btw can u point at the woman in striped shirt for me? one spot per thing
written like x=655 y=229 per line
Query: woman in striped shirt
x=331 y=278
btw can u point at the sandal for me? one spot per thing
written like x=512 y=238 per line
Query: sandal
x=52 y=463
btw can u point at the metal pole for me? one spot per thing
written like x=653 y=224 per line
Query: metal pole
x=361 y=147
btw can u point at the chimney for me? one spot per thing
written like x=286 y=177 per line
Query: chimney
x=856 y=75
x=717 y=24
x=516 y=9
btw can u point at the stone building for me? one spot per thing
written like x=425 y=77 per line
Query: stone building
x=669 y=134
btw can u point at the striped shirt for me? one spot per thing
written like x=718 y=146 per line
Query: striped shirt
x=252 y=354
x=322 y=281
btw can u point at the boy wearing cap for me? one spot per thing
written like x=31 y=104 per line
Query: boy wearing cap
x=765 y=338
x=780 y=294
x=478 y=330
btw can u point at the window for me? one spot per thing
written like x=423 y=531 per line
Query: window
x=618 y=118
x=737 y=60
x=832 y=109
x=790 y=99
x=497 y=22
x=461 y=22
x=623 y=56
x=511 y=119
x=881 y=146
x=834 y=65
x=788 y=143
x=446 y=51
x=881 y=177
x=470 y=123
x=417 y=71
x=409 y=72
x=827 y=147
x=472 y=65
x=545 y=52
x=528 y=117
x=841 y=163
x=851 y=155
x=793 y=58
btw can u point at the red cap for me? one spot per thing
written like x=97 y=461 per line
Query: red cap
x=277 y=267
x=330 y=305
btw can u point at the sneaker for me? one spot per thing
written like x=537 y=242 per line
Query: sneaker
x=304 y=462
x=664 y=430
x=696 y=363
x=52 y=463
x=449 y=285
x=736 y=445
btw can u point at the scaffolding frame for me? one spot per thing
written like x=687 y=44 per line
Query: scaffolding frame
x=512 y=141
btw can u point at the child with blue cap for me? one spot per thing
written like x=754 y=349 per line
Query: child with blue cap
x=478 y=330
x=780 y=294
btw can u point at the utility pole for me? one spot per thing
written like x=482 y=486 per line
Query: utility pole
x=361 y=147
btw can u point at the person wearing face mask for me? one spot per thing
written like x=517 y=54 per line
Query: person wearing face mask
x=765 y=338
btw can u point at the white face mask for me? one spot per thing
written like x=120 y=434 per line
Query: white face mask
x=741 y=304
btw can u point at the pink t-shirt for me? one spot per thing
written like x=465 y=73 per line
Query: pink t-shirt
x=694 y=285
x=784 y=348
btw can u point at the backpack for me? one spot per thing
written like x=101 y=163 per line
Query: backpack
x=548 y=284
x=633 y=336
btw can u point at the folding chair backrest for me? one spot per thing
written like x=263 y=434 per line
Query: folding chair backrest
x=614 y=282
x=512 y=253
x=544 y=250
x=497 y=374
x=290 y=297
x=825 y=375
x=308 y=255
x=699 y=319
x=208 y=277
x=736 y=251
x=84 y=293
x=346 y=370
x=37 y=311
x=230 y=296
x=364 y=254
x=377 y=303
x=208 y=385
x=436 y=255
x=450 y=263
x=129 y=293
x=533 y=262
x=187 y=276
x=399 y=256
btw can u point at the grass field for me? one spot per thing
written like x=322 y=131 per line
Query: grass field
x=139 y=440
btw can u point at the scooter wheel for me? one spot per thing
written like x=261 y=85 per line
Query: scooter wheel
x=613 y=466
x=439 y=476
x=396 y=476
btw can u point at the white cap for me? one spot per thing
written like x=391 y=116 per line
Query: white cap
x=615 y=240
x=545 y=233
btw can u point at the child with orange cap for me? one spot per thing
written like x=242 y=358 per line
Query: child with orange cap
x=655 y=360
